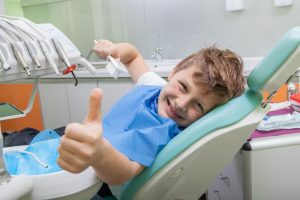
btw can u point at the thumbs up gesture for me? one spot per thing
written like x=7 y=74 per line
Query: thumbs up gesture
x=82 y=145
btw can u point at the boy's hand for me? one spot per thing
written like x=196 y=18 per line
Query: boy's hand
x=103 y=48
x=81 y=145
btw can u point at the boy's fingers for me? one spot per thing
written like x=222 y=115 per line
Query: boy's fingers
x=94 y=110
x=103 y=48
x=68 y=166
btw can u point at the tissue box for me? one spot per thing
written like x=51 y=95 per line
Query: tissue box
x=295 y=100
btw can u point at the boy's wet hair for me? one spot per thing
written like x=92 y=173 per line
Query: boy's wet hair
x=220 y=70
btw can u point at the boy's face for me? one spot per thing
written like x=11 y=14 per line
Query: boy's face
x=182 y=100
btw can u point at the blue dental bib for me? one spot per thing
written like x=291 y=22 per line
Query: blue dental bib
x=134 y=127
x=39 y=157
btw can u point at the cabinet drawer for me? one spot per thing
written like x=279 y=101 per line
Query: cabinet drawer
x=229 y=183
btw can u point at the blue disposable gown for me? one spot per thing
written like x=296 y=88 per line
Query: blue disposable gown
x=134 y=127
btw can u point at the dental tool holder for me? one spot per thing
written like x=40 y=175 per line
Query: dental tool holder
x=54 y=52
x=29 y=50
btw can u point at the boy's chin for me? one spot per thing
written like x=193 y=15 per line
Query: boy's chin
x=162 y=113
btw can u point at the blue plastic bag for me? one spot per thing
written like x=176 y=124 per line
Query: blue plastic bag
x=38 y=158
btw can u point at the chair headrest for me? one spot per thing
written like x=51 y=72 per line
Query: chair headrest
x=278 y=65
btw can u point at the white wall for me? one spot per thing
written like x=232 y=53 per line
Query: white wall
x=182 y=27
x=179 y=27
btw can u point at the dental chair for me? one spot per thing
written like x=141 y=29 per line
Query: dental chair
x=186 y=167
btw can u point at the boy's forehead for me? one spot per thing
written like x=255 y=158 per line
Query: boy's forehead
x=201 y=89
x=190 y=70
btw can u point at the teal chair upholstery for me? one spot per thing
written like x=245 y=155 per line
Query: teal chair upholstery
x=186 y=167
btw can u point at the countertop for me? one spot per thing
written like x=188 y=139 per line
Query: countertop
x=162 y=68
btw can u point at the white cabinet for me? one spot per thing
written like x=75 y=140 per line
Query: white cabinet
x=62 y=102
x=78 y=99
x=113 y=90
x=267 y=168
x=229 y=183
x=54 y=103
x=272 y=166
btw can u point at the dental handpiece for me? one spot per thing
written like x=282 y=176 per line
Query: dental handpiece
x=20 y=58
x=33 y=55
x=48 y=56
x=61 y=52
x=3 y=62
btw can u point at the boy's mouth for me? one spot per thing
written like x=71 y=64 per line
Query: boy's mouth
x=171 y=111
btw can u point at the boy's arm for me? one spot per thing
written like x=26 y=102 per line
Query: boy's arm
x=114 y=167
x=83 y=146
x=128 y=54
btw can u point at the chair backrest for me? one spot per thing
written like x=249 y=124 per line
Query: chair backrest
x=185 y=168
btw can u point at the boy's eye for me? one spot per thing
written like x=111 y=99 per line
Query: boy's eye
x=198 y=107
x=183 y=86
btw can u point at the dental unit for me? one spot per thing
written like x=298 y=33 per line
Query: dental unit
x=28 y=51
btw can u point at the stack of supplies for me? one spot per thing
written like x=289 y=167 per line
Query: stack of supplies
x=281 y=120
x=276 y=122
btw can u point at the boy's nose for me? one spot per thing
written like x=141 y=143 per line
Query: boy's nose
x=182 y=104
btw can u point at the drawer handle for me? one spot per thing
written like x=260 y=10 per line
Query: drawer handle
x=224 y=178
x=216 y=194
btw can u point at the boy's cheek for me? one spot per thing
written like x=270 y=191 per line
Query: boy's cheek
x=161 y=109
x=194 y=116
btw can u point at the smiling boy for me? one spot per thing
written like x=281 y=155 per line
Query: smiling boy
x=145 y=120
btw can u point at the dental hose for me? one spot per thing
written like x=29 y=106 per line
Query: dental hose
x=30 y=154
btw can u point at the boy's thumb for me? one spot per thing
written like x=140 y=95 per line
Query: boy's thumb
x=94 y=111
